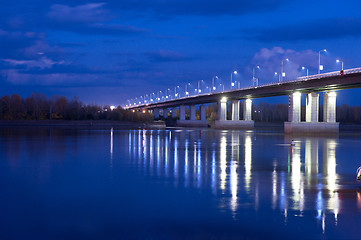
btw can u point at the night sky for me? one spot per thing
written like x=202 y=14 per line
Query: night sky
x=106 y=52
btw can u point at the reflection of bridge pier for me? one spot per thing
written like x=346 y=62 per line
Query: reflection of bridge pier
x=311 y=159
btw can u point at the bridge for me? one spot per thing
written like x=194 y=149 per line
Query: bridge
x=312 y=86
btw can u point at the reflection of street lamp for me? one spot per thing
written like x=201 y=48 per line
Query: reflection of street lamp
x=340 y=62
x=282 y=73
x=255 y=79
x=319 y=60
x=232 y=83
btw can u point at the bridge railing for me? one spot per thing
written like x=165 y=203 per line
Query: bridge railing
x=304 y=78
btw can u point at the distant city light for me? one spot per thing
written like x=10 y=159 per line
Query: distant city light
x=112 y=108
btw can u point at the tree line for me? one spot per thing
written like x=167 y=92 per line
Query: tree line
x=38 y=107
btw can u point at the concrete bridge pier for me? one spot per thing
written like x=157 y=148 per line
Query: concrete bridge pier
x=192 y=122
x=329 y=107
x=312 y=124
x=156 y=113
x=174 y=113
x=165 y=113
x=203 y=113
x=193 y=113
x=235 y=123
x=182 y=113
x=312 y=107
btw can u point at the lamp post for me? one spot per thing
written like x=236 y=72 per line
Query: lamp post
x=255 y=79
x=232 y=83
x=213 y=87
x=319 y=60
x=282 y=73
x=175 y=92
x=340 y=62
x=303 y=68
x=187 y=93
x=199 y=90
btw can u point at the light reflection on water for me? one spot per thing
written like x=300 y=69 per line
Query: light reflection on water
x=223 y=162
x=164 y=179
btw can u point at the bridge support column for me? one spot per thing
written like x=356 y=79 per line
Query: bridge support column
x=294 y=107
x=312 y=107
x=156 y=113
x=182 y=113
x=174 y=113
x=193 y=113
x=329 y=107
x=247 y=110
x=222 y=110
x=165 y=113
x=203 y=113
x=192 y=122
x=235 y=110
x=235 y=123
x=312 y=125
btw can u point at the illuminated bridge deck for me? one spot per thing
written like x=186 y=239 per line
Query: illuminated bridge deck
x=351 y=78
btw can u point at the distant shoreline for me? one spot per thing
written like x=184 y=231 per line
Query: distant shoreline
x=127 y=124
x=77 y=123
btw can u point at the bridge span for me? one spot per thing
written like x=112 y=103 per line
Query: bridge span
x=312 y=86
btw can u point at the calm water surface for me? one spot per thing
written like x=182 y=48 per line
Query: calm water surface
x=68 y=183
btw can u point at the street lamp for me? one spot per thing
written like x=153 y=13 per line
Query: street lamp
x=187 y=93
x=232 y=83
x=255 y=79
x=341 y=63
x=282 y=73
x=303 y=68
x=199 y=90
x=213 y=87
x=319 y=60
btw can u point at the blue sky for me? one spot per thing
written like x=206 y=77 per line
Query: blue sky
x=106 y=52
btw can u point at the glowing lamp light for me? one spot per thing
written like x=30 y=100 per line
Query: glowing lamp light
x=235 y=72
x=332 y=94
x=233 y=84
x=224 y=99
x=296 y=94
x=112 y=108
x=321 y=67
x=214 y=88
x=143 y=111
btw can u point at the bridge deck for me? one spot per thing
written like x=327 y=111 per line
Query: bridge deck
x=351 y=78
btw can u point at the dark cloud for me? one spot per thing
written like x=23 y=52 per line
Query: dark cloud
x=167 y=56
x=198 y=7
x=90 y=18
x=322 y=29
x=87 y=13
